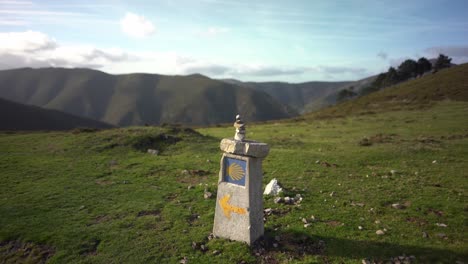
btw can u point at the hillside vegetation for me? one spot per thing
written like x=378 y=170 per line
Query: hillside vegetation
x=138 y=99
x=15 y=116
x=447 y=84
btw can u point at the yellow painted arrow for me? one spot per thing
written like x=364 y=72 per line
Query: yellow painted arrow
x=228 y=209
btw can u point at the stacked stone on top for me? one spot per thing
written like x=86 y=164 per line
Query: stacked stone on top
x=240 y=129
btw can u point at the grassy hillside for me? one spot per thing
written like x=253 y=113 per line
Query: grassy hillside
x=14 y=116
x=137 y=99
x=100 y=198
x=447 y=84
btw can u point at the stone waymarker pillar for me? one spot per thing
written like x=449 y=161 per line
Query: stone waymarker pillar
x=239 y=202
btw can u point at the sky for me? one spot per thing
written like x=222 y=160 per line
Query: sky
x=250 y=40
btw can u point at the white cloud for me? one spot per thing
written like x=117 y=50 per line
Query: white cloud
x=36 y=49
x=213 y=31
x=28 y=41
x=136 y=26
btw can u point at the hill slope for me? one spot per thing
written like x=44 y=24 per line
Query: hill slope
x=303 y=97
x=447 y=84
x=15 y=116
x=136 y=99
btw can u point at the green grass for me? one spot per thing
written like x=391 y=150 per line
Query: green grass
x=100 y=198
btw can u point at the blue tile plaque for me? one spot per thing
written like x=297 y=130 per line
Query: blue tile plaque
x=235 y=171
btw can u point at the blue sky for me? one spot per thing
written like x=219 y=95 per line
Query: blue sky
x=261 y=40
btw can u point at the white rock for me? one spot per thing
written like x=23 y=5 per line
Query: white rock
x=272 y=188
x=380 y=232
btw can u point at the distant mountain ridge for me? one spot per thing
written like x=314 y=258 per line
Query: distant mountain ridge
x=304 y=97
x=138 y=99
x=16 y=116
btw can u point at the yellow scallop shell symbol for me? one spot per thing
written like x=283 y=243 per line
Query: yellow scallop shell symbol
x=235 y=171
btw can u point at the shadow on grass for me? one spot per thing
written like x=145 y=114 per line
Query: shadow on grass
x=297 y=245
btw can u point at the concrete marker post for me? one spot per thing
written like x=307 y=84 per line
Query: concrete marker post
x=239 y=202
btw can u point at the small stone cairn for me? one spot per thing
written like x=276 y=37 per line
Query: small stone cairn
x=240 y=129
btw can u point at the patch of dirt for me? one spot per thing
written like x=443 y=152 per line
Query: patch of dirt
x=171 y=197
x=334 y=223
x=158 y=142
x=417 y=221
x=149 y=212
x=326 y=164
x=104 y=182
x=377 y=139
x=456 y=136
x=24 y=252
x=428 y=140
x=195 y=172
x=89 y=248
x=192 y=218
x=101 y=219
x=294 y=246
x=434 y=211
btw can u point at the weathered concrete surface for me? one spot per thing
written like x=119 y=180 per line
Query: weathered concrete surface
x=239 y=208
x=245 y=148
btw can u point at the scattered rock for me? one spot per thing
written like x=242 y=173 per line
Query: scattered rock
x=441 y=235
x=425 y=235
x=357 y=204
x=154 y=152
x=360 y=227
x=288 y=200
x=210 y=236
x=434 y=161
x=307 y=225
x=441 y=225
x=304 y=220
x=203 y=248
x=184 y=172
x=216 y=252
x=393 y=172
x=380 y=232
x=183 y=261
x=207 y=195
x=189 y=187
x=194 y=245
x=278 y=200
x=273 y=188
x=398 y=206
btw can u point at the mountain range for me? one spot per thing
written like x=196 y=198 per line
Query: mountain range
x=138 y=99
